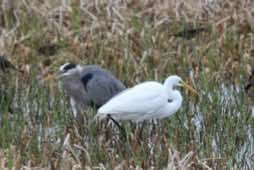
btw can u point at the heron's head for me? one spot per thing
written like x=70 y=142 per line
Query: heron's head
x=67 y=69
x=176 y=81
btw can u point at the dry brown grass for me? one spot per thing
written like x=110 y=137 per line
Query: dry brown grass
x=134 y=39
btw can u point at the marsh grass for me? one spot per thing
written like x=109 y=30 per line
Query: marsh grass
x=133 y=39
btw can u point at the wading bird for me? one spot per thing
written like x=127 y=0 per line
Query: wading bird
x=189 y=33
x=6 y=64
x=88 y=85
x=250 y=82
x=145 y=101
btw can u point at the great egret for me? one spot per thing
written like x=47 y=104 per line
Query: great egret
x=145 y=101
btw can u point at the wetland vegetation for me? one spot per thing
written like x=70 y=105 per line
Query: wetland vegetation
x=210 y=44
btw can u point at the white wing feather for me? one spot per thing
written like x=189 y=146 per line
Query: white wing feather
x=135 y=103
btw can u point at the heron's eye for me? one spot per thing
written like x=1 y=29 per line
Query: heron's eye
x=170 y=100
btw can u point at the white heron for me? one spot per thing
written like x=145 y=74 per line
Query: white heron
x=145 y=101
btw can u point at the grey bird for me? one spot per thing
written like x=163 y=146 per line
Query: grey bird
x=6 y=64
x=88 y=85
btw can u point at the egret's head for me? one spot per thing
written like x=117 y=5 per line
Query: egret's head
x=67 y=69
x=175 y=81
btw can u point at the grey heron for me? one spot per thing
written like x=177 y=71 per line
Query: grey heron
x=250 y=82
x=88 y=85
x=6 y=64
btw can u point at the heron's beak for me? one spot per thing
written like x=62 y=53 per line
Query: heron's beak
x=55 y=76
x=185 y=85
x=50 y=77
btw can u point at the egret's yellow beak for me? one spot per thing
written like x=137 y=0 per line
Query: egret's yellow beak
x=185 y=85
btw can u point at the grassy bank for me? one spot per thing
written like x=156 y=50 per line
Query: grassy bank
x=137 y=41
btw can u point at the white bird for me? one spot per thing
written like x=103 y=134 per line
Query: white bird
x=145 y=101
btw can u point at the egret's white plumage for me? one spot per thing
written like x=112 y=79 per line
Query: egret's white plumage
x=148 y=100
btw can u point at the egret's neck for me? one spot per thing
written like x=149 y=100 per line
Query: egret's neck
x=177 y=100
x=173 y=95
x=168 y=86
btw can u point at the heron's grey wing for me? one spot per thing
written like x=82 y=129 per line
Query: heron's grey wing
x=101 y=87
x=74 y=89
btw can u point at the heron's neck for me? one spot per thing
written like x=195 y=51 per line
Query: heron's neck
x=74 y=77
